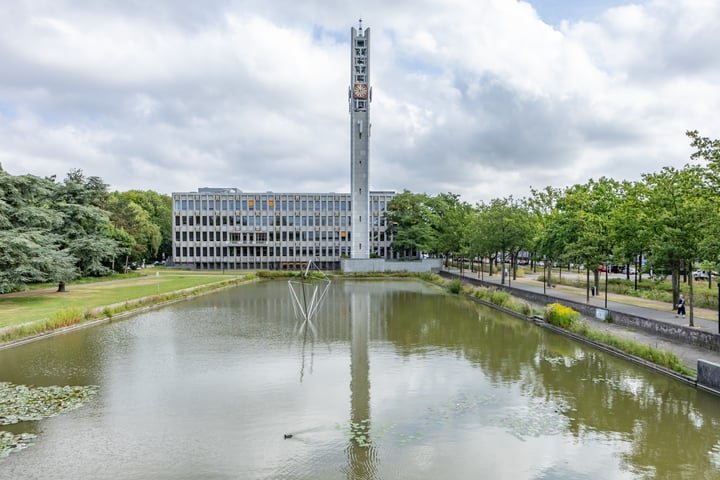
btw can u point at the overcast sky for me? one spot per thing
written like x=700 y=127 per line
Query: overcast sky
x=484 y=98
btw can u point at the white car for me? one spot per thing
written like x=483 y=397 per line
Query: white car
x=701 y=275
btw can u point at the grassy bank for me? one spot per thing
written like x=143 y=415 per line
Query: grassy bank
x=568 y=319
x=31 y=313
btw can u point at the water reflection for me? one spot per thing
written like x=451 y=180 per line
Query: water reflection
x=439 y=388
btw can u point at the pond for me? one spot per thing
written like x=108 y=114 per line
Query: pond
x=394 y=380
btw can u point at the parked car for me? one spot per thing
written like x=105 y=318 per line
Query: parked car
x=701 y=275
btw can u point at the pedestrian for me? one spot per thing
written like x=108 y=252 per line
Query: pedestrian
x=681 y=306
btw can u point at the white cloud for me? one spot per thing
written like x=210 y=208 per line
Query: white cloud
x=481 y=98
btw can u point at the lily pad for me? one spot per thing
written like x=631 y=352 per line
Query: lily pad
x=20 y=403
x=10 y=443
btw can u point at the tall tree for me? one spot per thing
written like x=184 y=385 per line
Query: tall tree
x=504 y=226
x=677 y=204
x=30 y=252
x=408 y=217
x=86 y=227
x=137 y=222
x=451 y=220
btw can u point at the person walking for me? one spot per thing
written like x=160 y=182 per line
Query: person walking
x=681 y=306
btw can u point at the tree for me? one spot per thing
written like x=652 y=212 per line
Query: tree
x=85 y=228
x=451 y=221
x=30 y=251
x=127 y=215
x=503 y=226
x=578 y=231
x=678 y=203
x=408 y=217
x=159 y=210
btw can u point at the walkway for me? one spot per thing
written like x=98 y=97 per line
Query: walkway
x=703 y=318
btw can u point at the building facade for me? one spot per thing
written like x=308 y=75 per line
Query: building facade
x=225 y=228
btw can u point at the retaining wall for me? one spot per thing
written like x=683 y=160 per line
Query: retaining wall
x=678 y=333
x=357 y=265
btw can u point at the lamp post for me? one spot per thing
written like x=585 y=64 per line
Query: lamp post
x=718 y=305
x=607 y=267
x=544 y=277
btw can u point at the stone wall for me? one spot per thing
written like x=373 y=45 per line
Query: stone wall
x=708 y=374
x=355 y=265
x=678 y=333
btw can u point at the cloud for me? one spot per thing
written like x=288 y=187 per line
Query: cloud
x=481 y=98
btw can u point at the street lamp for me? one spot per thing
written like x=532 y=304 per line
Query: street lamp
x=544 y=276
x=719 y=305
x=607 y=267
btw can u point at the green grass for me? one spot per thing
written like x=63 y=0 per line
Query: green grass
x=16 y=310
x=568 y=319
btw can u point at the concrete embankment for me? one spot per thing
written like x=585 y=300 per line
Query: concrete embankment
x=697 y=347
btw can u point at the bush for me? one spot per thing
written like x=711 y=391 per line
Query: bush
x=499 y=297
x=560 y=315
x=455 y=286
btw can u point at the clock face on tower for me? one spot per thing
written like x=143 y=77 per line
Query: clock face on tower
x=360 y=90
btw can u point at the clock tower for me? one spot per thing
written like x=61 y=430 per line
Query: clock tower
x=359 y=97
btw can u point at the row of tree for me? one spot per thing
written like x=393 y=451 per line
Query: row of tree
x=671 y=218
x=54 y=231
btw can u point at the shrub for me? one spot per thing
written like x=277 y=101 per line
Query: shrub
x=499 y=297
x=455 y=286
x=560 y=315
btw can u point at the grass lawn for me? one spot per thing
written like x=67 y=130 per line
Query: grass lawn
x=41 y=304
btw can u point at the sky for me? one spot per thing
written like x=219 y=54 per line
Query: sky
x=482 y=98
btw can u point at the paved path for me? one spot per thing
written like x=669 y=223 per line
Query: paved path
x=704 y=319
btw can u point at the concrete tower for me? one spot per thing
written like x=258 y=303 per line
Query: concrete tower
x=359 y=97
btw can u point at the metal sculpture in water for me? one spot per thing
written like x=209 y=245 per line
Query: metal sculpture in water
x=308 y=294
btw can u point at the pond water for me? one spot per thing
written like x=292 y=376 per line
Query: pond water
x=395 y=380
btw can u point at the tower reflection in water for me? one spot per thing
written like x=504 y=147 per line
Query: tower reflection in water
x=308 y=294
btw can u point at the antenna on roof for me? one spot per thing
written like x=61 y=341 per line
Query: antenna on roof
x=360 y=25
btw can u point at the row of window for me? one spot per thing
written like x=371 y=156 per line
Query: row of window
x=286 y=205
x=270 y=221
x=303 y=252
x=250 y=237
